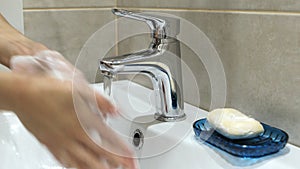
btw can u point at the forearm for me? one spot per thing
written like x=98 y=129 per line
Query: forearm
x=12 y=42
x=10 y=86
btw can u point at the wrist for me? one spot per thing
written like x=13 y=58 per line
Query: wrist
x=14 y=43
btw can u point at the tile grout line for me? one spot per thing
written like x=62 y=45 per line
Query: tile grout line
x=265 y=12
x=116 y=31
x=66 y=9
x=117 y=36
x=259 y=12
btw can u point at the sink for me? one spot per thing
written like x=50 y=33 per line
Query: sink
x=173 y=145
x=158 y=145
x=20 y=149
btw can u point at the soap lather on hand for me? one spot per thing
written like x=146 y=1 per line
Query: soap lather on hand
x=233 y=124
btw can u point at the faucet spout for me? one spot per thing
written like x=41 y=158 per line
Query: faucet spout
x=169 y=102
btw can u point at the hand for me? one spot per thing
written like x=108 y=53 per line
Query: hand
x=59 y=108
x=13 y=43
x=53 y=64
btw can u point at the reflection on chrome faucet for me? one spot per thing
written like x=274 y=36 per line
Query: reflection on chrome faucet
x=165 y=77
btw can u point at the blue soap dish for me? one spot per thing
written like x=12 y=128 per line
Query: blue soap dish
x=269 y=142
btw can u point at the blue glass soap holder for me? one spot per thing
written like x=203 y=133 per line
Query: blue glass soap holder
x=269 y=142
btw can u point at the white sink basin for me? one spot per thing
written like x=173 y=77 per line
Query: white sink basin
x=21 y=150
x=173 y=145
x=164 y=145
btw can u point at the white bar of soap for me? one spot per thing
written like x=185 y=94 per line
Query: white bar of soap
x=233 y=124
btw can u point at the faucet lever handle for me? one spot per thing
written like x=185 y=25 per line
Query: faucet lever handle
x=157 y=25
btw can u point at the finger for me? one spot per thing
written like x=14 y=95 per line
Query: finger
x=105 y=105
x=85 y=158
x=58 y=149
x=84 y=95
x=112 y=164
x=65 y=159
x=119 y=149
x=109 y=140
x=92 y=121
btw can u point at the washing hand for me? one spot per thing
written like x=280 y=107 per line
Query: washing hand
x=62 y=111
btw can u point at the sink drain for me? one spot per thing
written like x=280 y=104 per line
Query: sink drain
x=138 y=139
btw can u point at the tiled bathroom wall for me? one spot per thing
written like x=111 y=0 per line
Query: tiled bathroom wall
x=45 y=4
x=245 y=5
x=66 y=25
x=258 y=42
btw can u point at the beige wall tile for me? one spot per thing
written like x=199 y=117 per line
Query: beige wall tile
x=287 y=5
x=68 y=3
x=260 y=54
x=67 y=32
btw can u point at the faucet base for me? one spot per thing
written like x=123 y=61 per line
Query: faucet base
x=163 y=118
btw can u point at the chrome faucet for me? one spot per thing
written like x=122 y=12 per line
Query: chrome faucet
x=166 y=76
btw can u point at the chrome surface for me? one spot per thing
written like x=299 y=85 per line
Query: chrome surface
x=138 y=139
x=165 y=75
x=157 y=25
